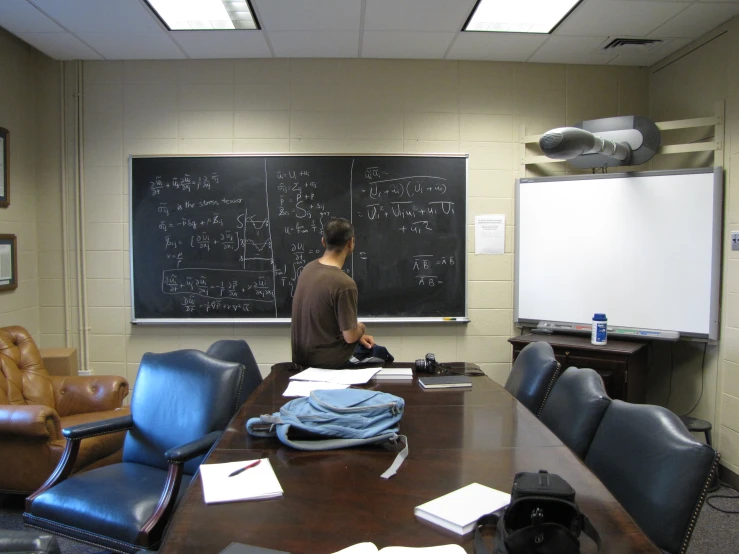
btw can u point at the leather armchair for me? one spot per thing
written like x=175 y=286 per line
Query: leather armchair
x=532 y=376
x=35 y=407
x=238 y=351
x=655 y=468
x=181 y=403
x=574 y=408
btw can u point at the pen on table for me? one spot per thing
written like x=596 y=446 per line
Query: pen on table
x=247 y=466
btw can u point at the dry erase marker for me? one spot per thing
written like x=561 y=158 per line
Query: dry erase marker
x=247 y=466
x=450 y=319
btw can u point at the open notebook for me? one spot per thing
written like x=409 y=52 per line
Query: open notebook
x=255 y=483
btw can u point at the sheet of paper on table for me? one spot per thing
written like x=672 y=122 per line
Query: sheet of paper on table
x=338 y=376
x=304 y=388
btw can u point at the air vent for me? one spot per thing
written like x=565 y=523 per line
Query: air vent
x=631 y=44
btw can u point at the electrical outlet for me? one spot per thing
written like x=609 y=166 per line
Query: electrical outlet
x=84 y=372
x=735 y=240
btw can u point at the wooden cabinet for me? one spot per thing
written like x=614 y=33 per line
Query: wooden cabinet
x=622 y=364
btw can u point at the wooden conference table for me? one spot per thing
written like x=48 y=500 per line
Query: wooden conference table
x=333 y=499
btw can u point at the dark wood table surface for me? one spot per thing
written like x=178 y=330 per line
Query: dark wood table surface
x=334 y=499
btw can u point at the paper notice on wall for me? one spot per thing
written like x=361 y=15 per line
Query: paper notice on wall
x=6 y=264
x=490 y=234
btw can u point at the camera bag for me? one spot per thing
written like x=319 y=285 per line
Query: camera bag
x=542 y=518
x=336 y=418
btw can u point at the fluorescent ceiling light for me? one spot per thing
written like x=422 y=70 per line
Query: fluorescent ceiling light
x=190 y=15
x=519 y=16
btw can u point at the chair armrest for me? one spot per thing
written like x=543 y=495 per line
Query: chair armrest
x=32 y=420
x=182 y=453
x=83 y=394
x=104 y=427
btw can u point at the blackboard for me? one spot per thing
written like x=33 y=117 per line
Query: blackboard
x=224 y=238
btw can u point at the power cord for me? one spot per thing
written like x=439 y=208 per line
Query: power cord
x=703 y=374
x=723 y=496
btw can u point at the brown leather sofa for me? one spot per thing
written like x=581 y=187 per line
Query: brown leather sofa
x=36 y=406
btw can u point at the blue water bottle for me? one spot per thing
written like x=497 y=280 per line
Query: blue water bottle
x=599 y=334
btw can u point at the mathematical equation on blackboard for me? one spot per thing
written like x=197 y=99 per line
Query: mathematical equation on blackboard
x=225 y=241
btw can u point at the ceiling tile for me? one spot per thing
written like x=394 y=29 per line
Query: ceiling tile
x=697 y=20
x=651 y=57
x=395 y=44
x=309 y=15
x=18 y=16
x=576 y=50
x=315 y=44
x=618 y=17
x=100 y=16
x=504 y=47
x=60 y=46
x=416 y=15
x=132 y=46
x=222 y=44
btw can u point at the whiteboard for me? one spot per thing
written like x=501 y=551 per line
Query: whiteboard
x=643 y=248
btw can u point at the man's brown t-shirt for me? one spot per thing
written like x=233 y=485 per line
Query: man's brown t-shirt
x=324 y=305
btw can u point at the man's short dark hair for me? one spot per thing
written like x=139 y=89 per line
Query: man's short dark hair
x=337 y=233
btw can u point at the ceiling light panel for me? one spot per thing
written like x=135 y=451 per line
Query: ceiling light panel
x=204 y=15
x=522 y=16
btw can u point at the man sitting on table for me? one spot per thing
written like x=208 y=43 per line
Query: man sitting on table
x=325 y=331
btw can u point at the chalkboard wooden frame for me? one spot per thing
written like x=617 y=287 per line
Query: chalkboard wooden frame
x=458 y=315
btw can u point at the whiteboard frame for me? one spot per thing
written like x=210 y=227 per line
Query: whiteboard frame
x=284 y=320
x=716 y=246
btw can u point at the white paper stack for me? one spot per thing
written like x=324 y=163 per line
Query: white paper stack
x=256 y=483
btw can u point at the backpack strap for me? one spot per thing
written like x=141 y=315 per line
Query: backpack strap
x=399 y=459
x=263 y=426
x=492 y=521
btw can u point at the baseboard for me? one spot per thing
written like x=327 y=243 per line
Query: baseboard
x=728 y=476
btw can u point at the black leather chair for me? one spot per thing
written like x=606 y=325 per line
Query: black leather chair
x=238 y=351
x=532 y=375
x=655 y=468
x=181 y=403
x=575 y=407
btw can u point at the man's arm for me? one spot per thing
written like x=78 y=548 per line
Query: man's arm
x=353 y=335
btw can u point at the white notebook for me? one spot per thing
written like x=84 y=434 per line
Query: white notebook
x=458 y=511
x=256 y=483
x=394 y=373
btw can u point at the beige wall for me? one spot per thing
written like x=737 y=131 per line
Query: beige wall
x=687 y=85
x=29 y=98
x=195 y=107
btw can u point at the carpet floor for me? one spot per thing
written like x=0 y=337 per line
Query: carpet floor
x=716 y=532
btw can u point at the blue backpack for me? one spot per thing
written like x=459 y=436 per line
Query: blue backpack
x=336 y=418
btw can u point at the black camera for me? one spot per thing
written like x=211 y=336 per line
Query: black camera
x=428 y=364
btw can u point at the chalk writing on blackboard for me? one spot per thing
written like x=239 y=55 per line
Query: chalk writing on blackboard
x=227 y=237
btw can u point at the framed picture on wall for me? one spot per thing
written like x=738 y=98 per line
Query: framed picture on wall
x=8 y=262
x=4 y=170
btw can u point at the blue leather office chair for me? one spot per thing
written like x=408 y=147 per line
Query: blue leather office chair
x=575 y=407
x=181 y=403
x=533 y=375
x=655 y=468
x=238 y=351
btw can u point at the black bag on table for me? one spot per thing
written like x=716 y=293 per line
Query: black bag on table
x=542 y=518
